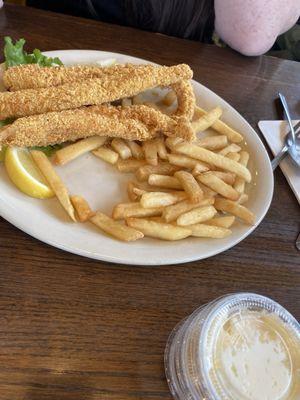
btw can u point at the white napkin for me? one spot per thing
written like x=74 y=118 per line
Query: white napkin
x=274 y=133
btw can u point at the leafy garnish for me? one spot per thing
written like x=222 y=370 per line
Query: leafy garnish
x=43 y=60
x=48 y=150
x=16 y=55
x=6 y=121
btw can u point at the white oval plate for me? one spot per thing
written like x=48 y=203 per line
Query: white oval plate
x=103 y=187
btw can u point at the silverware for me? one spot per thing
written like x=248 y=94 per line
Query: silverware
x=288 y=116
x=294 y=146
x=292 y=143
x=284 y=151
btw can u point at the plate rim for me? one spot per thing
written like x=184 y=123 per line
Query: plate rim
x=116 y=260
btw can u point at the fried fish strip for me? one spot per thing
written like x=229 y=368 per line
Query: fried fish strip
x=132 y=123
x=32 y=76
x=152 y=118
x=88 y=92
x=185 y=99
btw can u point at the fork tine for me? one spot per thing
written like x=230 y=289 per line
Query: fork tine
x=296 y=128
x=282 y=153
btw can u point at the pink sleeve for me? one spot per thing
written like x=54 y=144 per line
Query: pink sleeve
x=252 y=26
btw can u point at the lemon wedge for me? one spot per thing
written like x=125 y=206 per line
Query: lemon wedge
x=2 y=153
x=25 y=174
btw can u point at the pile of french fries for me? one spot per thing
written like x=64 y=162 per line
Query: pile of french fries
x=180 y=189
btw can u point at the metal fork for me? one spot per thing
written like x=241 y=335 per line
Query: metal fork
x=283 y=152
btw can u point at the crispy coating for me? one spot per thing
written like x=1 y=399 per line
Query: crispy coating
x=185 y=98
x=32 y=76
x=88 y=92
x=134 y=123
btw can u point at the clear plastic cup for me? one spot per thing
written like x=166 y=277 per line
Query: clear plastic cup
x=239 y=347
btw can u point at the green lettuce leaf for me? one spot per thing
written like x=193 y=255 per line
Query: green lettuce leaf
x=15 y=55
x=6 y=121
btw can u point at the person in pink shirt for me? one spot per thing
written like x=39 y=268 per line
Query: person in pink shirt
x=249 y=26
x=252 y=26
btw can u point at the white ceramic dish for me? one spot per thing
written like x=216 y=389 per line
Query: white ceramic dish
x=103 y=187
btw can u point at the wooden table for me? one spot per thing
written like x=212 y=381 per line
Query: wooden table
x=74 y=328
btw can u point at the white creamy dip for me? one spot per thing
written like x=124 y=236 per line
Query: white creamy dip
x=255 y=358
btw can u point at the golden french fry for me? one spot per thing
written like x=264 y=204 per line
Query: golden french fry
x=163 y=168
x=239 y=184
x=164 y=181
x=126 y=210
x=130 y=191
x=207 y=192
x=221 y=127
x=227 y=177
x=139 y=192
x=106 y=154
x=82 y=208
x=156 y=219
x=207 y=120
x=187 y=162
x=69 y=153
x=161 y=199
x=197 y=215
x=161 y=149
x=126 y=102
x=236 y=209
x=217 y=160
x=158 y=230
x=218 y=185
x=190 y=186
x=54 y=181
x=181 y=160
x=150 y=150
x=137 y=189
x=171 y=213
x=222 y=222
x=243 y=198
x=115 y=228
x=232 y=148
x=208 y=231
x=169 y=98
x=172 y=142
x=233 y=156
x=130 y=164
x=199 y=168
x=136 y=149
x=212 y=142
x=121 y=148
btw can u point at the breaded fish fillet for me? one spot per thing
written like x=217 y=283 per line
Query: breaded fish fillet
x=88 y=92
x=134 y=123
x=185 y=99
x=32 y=76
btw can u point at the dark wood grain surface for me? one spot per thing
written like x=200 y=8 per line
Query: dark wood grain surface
x=73 y=328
